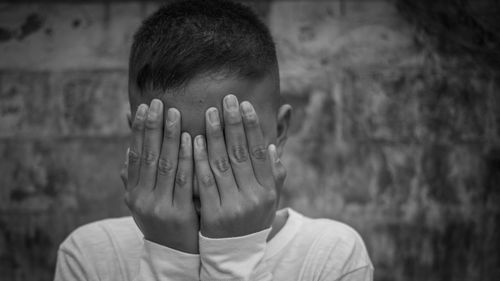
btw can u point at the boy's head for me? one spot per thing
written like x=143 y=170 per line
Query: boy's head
x=191 y=54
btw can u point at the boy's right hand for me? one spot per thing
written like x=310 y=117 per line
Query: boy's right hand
x=159 y=183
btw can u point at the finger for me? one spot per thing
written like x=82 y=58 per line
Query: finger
x=209 y=195
x=279 y=171
x=236 y=143
x=135 y=152
x=167 y=163
x=217 y=155
x=152 y=144
x=257 y=145
x=183 y=190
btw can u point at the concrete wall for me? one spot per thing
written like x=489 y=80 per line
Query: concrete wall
x=388 y=136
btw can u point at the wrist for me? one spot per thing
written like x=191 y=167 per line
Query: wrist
x=180 y=246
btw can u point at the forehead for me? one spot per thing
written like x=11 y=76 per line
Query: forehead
x=206 y=91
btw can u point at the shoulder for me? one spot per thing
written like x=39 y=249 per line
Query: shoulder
x=100 y=250
x=327 y=230
x=100 y=231
x=103 y=238
x=333 y=232
x=336 y=245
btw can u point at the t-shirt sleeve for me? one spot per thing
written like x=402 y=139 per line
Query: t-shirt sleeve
x=160 y=263
x=348 y=259
x=360 y=274
x=337 y=254
x=235 y=258
x=89 y=254
x=71 y=266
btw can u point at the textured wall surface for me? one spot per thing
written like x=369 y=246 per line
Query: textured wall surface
x=388 y=135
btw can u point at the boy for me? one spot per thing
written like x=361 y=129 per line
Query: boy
x=204 y=177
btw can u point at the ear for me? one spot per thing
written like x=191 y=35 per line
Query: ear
x=283 y=123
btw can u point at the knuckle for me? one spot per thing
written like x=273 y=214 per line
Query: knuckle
x=152 y=124
x=238 y=211
x=259 y=152
x=239 y=153
x=181 y=179
x=136 y=206
x=233 y=118
x=201 y=156
x=221 y=164
x=138 y=125
x=165 y=166
x=185 y=153
x=253 y=201
x=252 y=120
x=170 y=132
x=157 y=211
x=216 y=132
x=133 y=156
x=207 y=180
x=263 y=199
x=271 y=197
x=149 y=157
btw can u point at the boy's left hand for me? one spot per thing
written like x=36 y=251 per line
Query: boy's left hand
x=239 y=176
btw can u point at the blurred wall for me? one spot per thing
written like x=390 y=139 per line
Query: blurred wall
x=389 y=135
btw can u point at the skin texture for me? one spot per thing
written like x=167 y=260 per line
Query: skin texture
x=235 y=168
x=159 y=187
x=230 y=166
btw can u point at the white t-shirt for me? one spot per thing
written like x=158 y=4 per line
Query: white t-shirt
x=304 y=249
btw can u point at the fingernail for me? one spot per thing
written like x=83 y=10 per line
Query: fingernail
x=247 y=108
x=231 y=102
x=172 y=115
x=186 y=139
x=213 y=116
x=154 y=109
x=141 y=111
x=199 y=141
x=156 y=105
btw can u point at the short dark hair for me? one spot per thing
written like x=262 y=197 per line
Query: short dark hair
x=187 y=38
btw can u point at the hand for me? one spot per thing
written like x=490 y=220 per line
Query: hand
x=159 y=185
x=238 y=189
